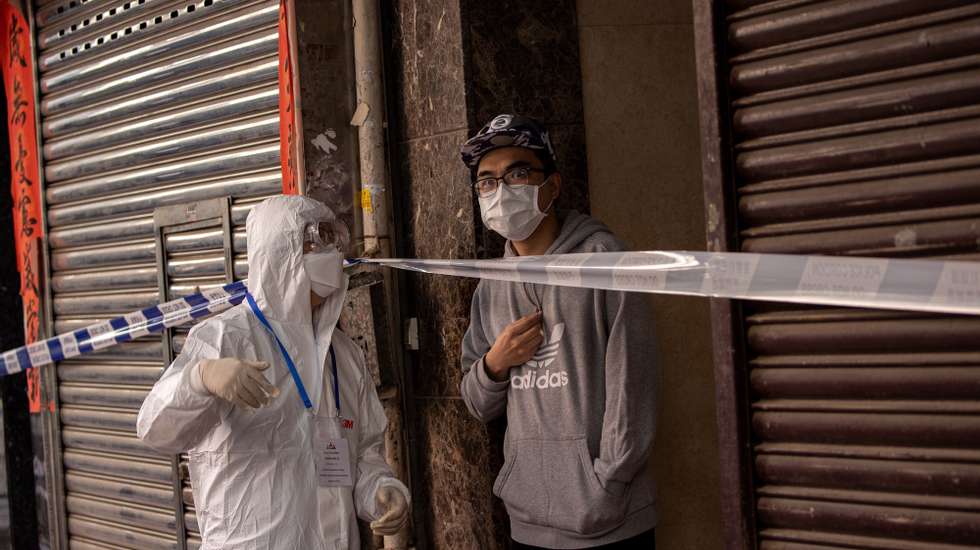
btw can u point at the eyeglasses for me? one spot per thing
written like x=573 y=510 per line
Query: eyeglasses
x=322 y=235
x=487 y=186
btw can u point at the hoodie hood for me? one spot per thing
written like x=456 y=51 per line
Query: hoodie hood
x=575 y=229
x=281 y=287
x=276 y=277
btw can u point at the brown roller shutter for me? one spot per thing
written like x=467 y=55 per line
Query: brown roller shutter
x=852 y=128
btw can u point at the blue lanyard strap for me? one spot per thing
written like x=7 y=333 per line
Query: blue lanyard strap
x=285 y=354
x=336 y=379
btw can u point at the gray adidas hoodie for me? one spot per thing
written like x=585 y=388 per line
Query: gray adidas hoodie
x=580 y=414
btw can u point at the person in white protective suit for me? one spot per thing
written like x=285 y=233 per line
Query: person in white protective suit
x=274 y=407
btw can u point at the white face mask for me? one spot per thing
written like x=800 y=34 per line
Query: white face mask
x=325 y=270
x=513 y=211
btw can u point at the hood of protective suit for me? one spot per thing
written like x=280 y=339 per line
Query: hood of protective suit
x=281 y=286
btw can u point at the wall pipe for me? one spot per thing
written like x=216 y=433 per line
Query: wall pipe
x=374 y=201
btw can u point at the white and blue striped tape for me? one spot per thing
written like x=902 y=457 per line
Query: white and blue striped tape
x=910 y=285
x=122 y=329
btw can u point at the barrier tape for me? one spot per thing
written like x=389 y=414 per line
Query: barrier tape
x=122 y=329
x=909 y=285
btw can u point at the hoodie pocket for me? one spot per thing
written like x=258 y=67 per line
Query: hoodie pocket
x=520 y=486
x=553 y=483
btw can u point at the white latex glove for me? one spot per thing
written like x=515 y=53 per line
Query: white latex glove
x=238 y=382
x=393 y=502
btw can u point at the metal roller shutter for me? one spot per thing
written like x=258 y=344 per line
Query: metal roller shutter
x=857 y=132
x=144 y=103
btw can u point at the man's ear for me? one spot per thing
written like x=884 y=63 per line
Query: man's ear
x=556 y=183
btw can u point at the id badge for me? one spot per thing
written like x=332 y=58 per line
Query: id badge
x=333 y=465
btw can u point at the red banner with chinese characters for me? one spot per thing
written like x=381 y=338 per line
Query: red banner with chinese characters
x=288 y=127
x=18 y=79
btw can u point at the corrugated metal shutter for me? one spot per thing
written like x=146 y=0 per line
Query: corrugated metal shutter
x=857 y=132
x=145 y=103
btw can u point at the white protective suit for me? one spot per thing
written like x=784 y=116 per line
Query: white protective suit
x=253 y=471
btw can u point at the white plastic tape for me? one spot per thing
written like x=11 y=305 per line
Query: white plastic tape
x=911 y=285
x=122 y=329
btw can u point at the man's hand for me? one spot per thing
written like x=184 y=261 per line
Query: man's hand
x=393 y=502
x=238 y=382
x=515 y=346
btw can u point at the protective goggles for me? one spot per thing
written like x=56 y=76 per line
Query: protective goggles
x=322 y=235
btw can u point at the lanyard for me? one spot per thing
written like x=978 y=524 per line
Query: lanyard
x=336 y=380
x=292 y=366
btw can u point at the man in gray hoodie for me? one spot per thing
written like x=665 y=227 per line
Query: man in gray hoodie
x=572 y=368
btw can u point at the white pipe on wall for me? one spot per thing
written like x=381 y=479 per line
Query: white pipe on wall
x=369 y=117
x=374 y=200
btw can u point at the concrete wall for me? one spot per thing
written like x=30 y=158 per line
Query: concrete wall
x=640 y=98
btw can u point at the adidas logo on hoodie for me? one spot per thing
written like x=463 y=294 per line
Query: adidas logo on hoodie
x=545 y=356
